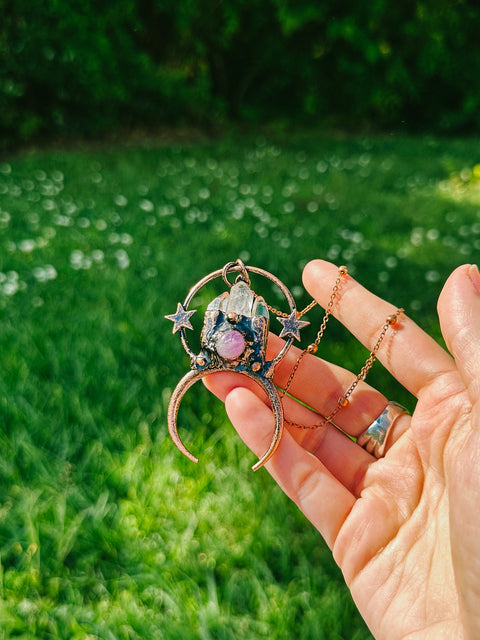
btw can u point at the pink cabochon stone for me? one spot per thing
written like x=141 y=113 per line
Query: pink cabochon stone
x=230 y=345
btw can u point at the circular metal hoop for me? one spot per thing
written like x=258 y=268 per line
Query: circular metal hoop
x=221 y=273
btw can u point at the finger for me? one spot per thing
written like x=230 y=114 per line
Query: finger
x=319 y=384
x=459 y=314
x=321 y=497
x=339 y=453
x=346 y=461
x=332 y=445
x=410 y=355
x=316 y=383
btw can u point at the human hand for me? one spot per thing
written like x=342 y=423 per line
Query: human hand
x=404 y=529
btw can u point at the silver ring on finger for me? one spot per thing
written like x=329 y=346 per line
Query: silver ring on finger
x=374 y=438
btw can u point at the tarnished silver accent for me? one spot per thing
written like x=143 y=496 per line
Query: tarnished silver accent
x=181 y=319
x=374 y=438
x=292 y=325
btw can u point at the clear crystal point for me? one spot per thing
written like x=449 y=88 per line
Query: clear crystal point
x=218 y=303
x=241 y=299
x=260 y=308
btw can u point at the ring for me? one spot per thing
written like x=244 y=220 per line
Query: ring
x=374 y=438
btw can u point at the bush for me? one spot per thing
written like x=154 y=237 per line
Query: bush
x=72 y=68
x=77 y=69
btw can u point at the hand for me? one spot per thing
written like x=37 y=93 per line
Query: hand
x=404 y=529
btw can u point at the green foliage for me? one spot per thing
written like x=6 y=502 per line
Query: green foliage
x=391 y=64
x=106 y=531
x=72 y=68
x=77 y=69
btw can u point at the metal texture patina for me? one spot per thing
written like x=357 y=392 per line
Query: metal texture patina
x=234 y=338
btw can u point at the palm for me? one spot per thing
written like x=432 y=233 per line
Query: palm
x=404 y=528
x=401 y=581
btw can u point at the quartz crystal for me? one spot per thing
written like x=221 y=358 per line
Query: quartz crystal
x=260 y=308
x=241 y=299
x=220 y=302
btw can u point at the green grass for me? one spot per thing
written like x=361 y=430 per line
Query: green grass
x=106 y=531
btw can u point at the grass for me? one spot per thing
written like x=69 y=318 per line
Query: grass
x=106 y=531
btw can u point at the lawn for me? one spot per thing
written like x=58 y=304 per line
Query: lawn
x=106 y=530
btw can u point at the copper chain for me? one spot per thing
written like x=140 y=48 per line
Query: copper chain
x=312 y=348
x=343 y=401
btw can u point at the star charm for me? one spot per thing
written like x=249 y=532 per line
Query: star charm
x=181 y=318
x=292 y=326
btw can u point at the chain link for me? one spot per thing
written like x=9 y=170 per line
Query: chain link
x=312 y=348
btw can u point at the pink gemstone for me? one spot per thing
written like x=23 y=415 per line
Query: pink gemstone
x=230 y=345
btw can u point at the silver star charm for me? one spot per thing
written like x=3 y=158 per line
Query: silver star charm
x=181 y=319
x=292 y=325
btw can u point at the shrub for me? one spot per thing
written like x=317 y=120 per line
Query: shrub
x=81 y=69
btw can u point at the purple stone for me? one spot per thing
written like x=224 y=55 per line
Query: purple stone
x=230 y=344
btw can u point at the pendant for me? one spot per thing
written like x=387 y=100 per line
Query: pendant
x=234 y=338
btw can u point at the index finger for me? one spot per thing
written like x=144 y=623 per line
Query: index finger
x=411 y=355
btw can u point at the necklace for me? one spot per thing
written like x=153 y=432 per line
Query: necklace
x=234 y=338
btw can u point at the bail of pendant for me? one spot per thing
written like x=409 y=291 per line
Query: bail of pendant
x=235 y=266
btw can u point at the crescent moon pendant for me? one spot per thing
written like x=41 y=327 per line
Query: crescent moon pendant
x=189 y=380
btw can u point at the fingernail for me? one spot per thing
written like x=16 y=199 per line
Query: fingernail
x=474 y=276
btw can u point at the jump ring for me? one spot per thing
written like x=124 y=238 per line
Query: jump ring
x=235 y=266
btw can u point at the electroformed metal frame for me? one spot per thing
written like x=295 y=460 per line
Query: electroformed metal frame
x=261 y=371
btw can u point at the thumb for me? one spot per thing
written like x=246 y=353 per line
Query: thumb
x=459 y=314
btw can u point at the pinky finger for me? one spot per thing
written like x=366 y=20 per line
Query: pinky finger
x=321 y=497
